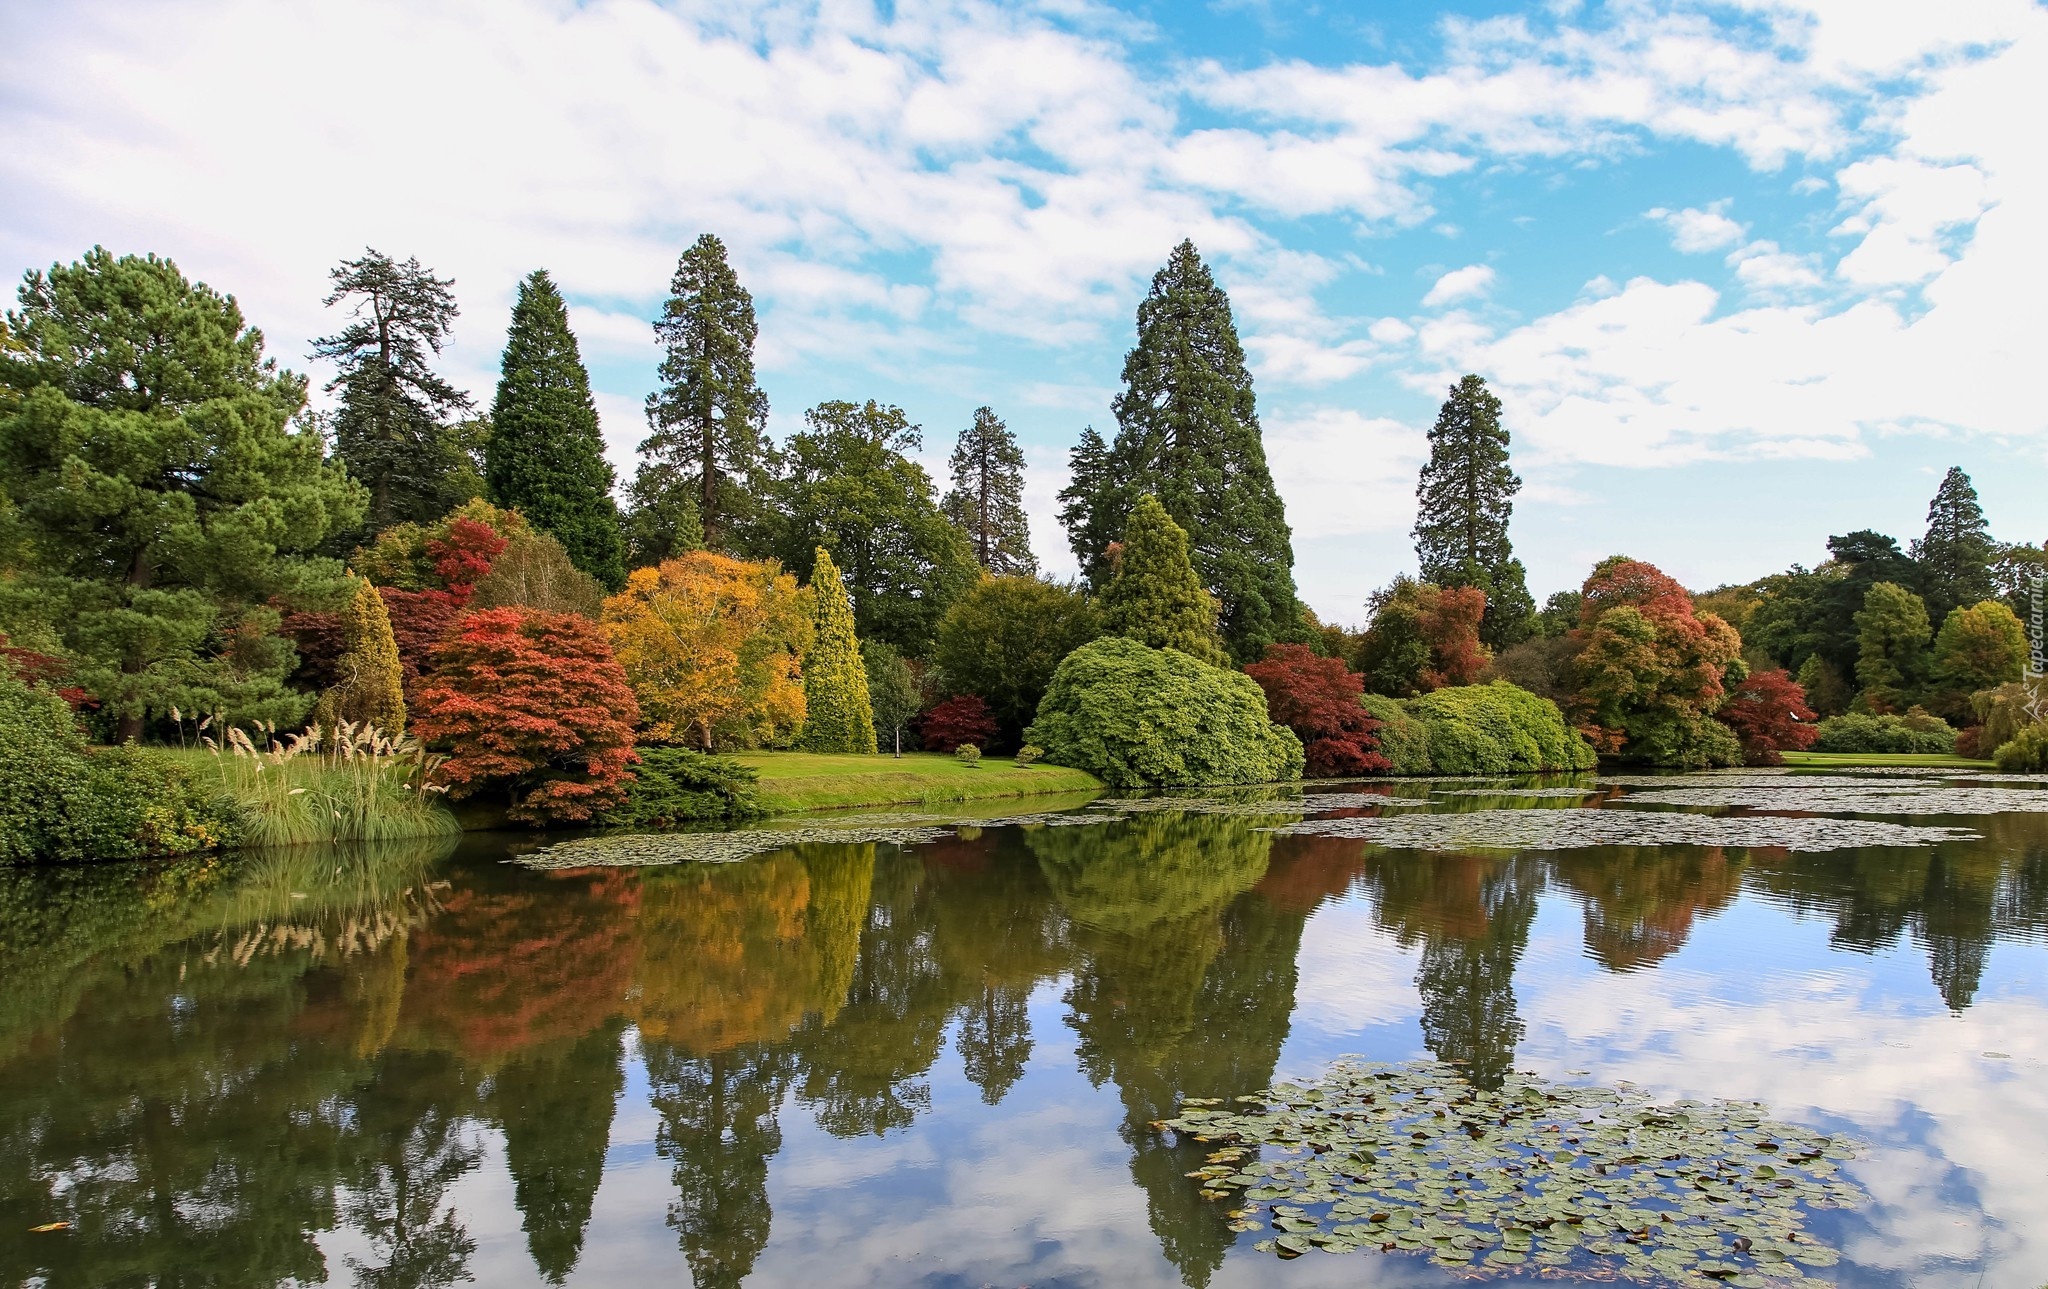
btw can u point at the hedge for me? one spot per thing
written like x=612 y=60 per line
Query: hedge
x=1857 y=732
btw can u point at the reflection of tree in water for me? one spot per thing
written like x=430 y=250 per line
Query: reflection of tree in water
x=718 y=1130
x=1641 y=902
x=1471 y=915
x=554 y=1105
x=1183 y=985
x=406 y=1142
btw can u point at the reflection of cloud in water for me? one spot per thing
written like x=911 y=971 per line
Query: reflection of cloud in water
x=1353 y=973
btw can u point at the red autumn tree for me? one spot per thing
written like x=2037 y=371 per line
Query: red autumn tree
x=534 y=703
x=1317 y=698
x=463 y=555
x=1768 y=712
x=1651 y=670
x=33 y=667
x=963 y=718
x=1422 y=637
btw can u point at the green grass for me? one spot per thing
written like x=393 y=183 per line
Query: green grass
x=798 y=781
x=299 y=800
x=1932 y=760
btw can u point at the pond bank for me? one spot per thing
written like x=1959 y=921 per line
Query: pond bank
x=798 y=782
x=1914 y=760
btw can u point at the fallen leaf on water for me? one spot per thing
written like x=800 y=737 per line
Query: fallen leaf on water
x=49 y=1226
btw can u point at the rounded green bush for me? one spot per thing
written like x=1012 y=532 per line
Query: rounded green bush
x=1403 y=740
x=1138 y=717
x=1857 y=732
x=968 y=753
x=2026 y=752
x=1497 y=729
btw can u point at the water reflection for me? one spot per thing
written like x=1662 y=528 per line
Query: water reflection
x=308 y=1066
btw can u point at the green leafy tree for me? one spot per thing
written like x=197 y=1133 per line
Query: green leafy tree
x=839 y=716
x=1188 y=433
x=893 y=691
x=2015 y=571
x=1464 y=501
x=159 y=496
x=1156 y=597
x=545 y=457
x=369 y=682
x=1003 y=640
x=1980 y=647
x=1891 y=647
x=391 y=427
x=850 y=489
x=1956 y=554
x=660 y=524
x=705 y=423
x=987 y=498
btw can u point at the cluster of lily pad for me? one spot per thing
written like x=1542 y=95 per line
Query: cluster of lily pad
x=1869 y=797
x=1572 y=829
x=638 y=850
x=1531 y=1175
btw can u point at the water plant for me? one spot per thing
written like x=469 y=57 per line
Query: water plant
x=348 y=783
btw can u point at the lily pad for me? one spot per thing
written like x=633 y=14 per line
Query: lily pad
x=1571 y=829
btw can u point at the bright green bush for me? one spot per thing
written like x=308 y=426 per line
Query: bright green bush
x=42 y=769
x=968 y=753
x=1030 y=754
x=1134 y=716
x=675 y=785
x=1682 y=740
x=1497 y=729
x=2026 y=752
x=1404 y=741
x=1857 y=732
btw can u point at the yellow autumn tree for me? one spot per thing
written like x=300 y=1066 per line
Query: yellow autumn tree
x=713 y=647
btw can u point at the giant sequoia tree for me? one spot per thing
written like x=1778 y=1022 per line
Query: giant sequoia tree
x=705 y=423
x=1464 y=500
x=391 y=428
x=160 y=498
x=1188 y=433
x=987 y=498
x=1955 y=556
x=545 y=458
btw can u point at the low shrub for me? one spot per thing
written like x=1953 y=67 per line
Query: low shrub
x=1970 y=743
x=1498 y=729
x=1403 y=740
x=1135 y=716
x=1682 y=740
x=2026 y=752
x=675 y=785
x=1859 y=732
x=1030 y=754
x=968 y=754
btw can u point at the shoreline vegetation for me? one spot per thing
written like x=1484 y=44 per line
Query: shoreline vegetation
x=801 y=782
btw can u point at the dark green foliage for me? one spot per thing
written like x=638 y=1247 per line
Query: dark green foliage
x=390 y=429
x=1891 y=647
x=1464 y=501
x=850 y=488
x=661 y=524
x=705 y=447
x=555 y=1107
x=1134 y=716
x=1156 y=597
x=675 y=785
x=1498 y=729
x=894 y=693
x=1188 y=433
x=1003 y=640
x=987 y=498
x=1859 y=732
x=1403 y=739
x=1955 y=556
x=1542 y=664
x=1559 y=614
x=1682 y=740
x=159 y=499
x=2016 y=570
x=545 y=458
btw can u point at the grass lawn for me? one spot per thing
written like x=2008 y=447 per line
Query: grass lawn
x=797 y=781
x=1930 y=760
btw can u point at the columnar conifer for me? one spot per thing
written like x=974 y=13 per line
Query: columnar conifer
x=1464 y=500
x=987 y=497
x=1156 y=598
x=838 y=715
x=368 y=687
x=1955 y=556
x=545 y=458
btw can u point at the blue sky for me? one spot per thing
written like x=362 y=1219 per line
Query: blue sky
x=1745 y=274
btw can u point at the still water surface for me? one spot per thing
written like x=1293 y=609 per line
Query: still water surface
x=936 y=1064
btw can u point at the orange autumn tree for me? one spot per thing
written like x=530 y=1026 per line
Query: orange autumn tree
x=713 y=647
x=1652 y=670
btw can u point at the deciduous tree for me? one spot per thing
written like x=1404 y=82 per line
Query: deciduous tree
x=1463 y=503
x=961 y=719
x=1980 y=647
x=1318 y=698
x=893 y=689
x=1651 y=670
x=987 y=497
x=839 y=716
x=1891 y=648
x=1768 y=712
x=1422 y=637
x=1156 y=597
x=1003 y=639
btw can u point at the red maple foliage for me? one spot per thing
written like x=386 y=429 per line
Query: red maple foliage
x=1450 y=623
x=963 y=718
x=32 y=667
x=1768 y=712
x=463 y=557
x=535 y=703
x=1317 y=698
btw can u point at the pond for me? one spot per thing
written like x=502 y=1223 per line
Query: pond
x=922 y=1051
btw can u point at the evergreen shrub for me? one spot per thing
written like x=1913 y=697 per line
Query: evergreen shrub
x=1403 y=740
x=1498 y=729
x=2026 y=753
x=676 y=785
x=1859 y=732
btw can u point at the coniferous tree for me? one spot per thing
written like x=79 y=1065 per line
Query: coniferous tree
x=1955 y=556
x=1156 y=598
x=1093 y=507
x=987 y=498
x=838 y=716
x=706 y=422
x=391 y=427
x=1188 y=433
x=369 y=682
x=545 y=456
x=1465 y=498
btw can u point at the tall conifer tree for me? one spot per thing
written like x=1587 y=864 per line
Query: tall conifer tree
x=391 y=429
x=1093 y=507
x=706 y=421
x=1955 y=556
x=545 y=457
x=1188 y=433
x=838 y=716
x=1156 y=598
x=987 y=497
x=1465 y=498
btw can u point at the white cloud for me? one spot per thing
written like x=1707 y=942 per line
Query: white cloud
x=1694 y=230
x=1460 y=284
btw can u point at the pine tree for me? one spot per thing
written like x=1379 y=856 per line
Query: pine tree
x=987 y=498
x=1955 y=556
x=391 y=427
x=706 y=421
x=1093 y=507
x=368 y=687
x=1156 y=599
x=1188 y=433
x=1465 y=498
x=545 y=457
x=838 y=716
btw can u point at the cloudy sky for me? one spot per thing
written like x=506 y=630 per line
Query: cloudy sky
x=1745 y=274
